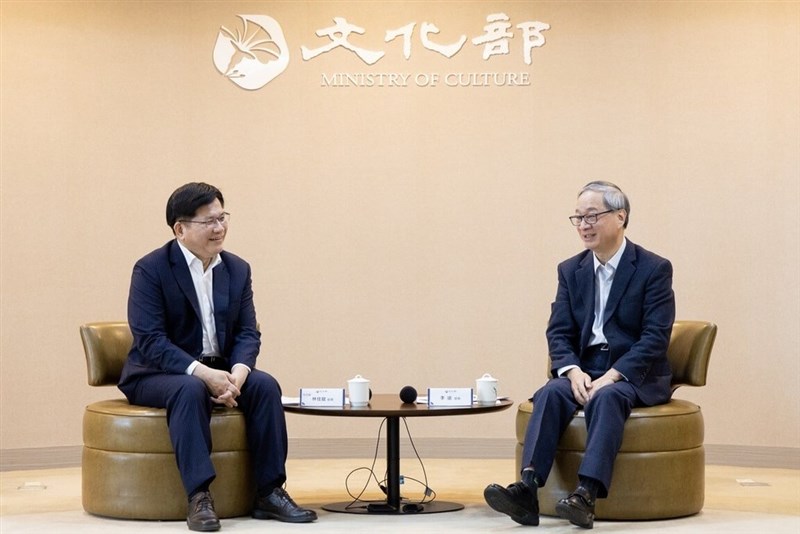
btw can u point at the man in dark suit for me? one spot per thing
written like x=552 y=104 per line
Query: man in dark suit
x=195 y=343
x=608 y=335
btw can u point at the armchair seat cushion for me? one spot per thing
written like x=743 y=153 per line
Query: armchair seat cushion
x=129 y=469
x=659 y=471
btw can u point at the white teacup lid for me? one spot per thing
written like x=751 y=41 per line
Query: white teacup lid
x=358 y=378
x=488 y=378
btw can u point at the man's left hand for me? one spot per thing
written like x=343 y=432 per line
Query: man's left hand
x=610 y=376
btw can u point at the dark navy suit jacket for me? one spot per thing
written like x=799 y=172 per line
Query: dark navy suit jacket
x=637 y=320
x=164 y=314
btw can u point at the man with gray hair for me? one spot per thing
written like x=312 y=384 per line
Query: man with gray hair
x=607 y=337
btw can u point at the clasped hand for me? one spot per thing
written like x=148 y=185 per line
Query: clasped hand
x=222 y=385
x=584 y=388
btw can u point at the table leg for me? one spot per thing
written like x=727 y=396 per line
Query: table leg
x=393 y=462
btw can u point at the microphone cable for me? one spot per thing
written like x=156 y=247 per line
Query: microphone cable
x=429 y=494
x=428 y=490
x=371 y=470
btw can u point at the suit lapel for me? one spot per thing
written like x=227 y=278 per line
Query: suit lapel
x=584 y=277
x=625 y=270
x=222 y=282
x=184 y=278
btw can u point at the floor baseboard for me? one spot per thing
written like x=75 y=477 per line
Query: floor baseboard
x=40 y=458
x=738 y=455
x=489 y=448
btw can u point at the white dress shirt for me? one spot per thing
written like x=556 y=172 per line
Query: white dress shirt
x=603 y=278
x=204 y=288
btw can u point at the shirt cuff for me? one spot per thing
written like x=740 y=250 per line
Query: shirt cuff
x=191 y=368
x=243 y=365
x=563 y=370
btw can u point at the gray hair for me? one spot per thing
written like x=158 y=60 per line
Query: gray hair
x=613 y=197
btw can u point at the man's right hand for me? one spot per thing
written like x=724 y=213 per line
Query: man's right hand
x=581 y=385
x=220 y=385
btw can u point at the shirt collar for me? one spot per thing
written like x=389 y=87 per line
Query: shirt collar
x=191 y=258
x=613 y=263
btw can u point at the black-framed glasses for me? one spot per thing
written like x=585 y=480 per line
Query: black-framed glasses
x=209 y=223
x=590 y=218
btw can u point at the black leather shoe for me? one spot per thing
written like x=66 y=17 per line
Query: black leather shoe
x=577 y=508
x=278 y=505
x=518 y=501
x=202 y=517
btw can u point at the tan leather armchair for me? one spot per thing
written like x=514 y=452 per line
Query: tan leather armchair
x=128 y=465
x=660 y=469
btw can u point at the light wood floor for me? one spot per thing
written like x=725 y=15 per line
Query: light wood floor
x=738 y=499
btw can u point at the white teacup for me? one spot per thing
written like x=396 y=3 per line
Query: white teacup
x=486 y=389
x=358 y=390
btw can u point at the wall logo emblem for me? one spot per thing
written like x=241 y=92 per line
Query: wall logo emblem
x=254 y=55
x=256 y=52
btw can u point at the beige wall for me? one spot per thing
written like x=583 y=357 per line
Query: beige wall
x=407 y=234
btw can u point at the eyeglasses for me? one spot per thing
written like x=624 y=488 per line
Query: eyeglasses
x=590 y=218
x=209 y=223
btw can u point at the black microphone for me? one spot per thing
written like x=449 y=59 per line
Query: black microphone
x=408 y=394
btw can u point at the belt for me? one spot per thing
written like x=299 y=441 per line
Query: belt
x=215 y=362
x=594 y=360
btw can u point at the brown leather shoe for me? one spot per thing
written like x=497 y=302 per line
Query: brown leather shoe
x=519 y=501
x=278 y=505
x=202 y=517
x=577 y=508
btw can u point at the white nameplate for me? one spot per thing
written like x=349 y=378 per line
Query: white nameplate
x=322 y=397
x=449 y=396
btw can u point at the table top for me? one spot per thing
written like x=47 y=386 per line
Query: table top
x=390 y=405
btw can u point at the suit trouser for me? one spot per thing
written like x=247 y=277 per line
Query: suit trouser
x=189 y=407
x=554 y=406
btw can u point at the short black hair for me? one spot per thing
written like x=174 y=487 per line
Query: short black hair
x=184 y=202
